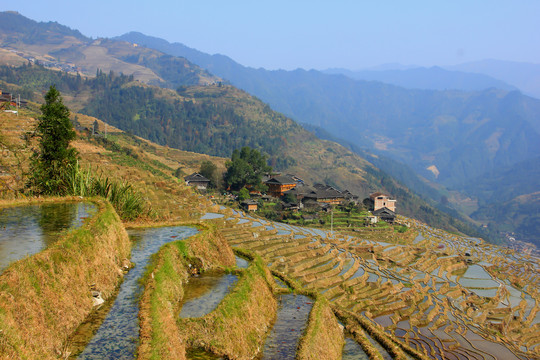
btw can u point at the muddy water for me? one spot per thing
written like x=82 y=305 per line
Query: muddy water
x=241 y=262
x=201 y=354
x=27 y=230
x=117 y=337
x=353 y=351
x=203 y=293
x=211 y=216
x=292 y=316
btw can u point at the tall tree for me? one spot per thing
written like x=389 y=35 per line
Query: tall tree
x=54 y=156
x=209 y=170
x=246 y=168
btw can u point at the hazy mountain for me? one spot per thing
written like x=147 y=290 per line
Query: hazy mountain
x=457 y=135
x=525 y=76
x=434 y=78
x=215 y=119
x=390 y=66
x=518 y=215
x=519 y=179
x=58 y=46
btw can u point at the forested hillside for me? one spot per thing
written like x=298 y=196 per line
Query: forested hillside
x=59 y=47
x=216 y=119
x=462 y=134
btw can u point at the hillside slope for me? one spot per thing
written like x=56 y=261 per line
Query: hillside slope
x=60 y=47
x=219 y=118
x=460 y=134
x=433 y=78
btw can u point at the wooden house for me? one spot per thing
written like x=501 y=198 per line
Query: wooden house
x=278 y=185
x=325 y=194
x=197 y=180
x=385 y=214
x=249 y=205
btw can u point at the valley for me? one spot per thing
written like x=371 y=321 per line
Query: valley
x=424 y=293
x=113 y=245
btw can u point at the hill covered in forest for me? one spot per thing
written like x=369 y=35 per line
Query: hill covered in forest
x=216 y=119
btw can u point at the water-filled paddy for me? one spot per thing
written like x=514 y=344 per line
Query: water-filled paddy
x=241 y=262
x=476 y=272
x=353 y=351
x=27 y=230
x=117 y=337
x=292 y=316
x=210 y=216
x=203 y=293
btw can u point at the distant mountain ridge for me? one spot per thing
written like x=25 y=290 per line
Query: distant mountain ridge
x=12 y=23
x=433 y=78
x=55 y=45
x=526 y=76
x=462 y=134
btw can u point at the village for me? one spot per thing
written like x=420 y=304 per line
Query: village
x=290 y=200
x=8 y=102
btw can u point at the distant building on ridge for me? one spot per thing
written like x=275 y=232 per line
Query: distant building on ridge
x=197 y=180
x=381 y=200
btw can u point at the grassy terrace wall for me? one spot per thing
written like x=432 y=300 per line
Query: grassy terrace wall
x=160 y=336
x=324 y=336
x=236 y=328
x=45 y=297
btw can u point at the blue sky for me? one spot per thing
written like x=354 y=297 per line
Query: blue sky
x=316 y=34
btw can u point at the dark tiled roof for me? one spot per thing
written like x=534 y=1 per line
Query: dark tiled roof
x=281 y=180
x=324 y=193
x=349 y=195
x=300 y=190
x=196 y=177
x=376 y=194
x=385 y=211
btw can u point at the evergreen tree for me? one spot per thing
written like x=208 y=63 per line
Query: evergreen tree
x=246 y=168
x=209 y=170
x=243 y=194
x=50 y=163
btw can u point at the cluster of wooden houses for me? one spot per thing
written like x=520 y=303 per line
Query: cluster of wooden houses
x=8 y=101
x=318 y=196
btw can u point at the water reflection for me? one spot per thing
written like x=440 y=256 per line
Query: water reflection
x=290 y=324
x=117 y=337
x=353 y=351
x=27 y=230
x=204 y=293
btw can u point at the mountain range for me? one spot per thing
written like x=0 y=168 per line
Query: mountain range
x=433 y=78
x=448 y=138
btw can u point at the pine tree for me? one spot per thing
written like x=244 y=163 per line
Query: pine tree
x=246 y=168
x=54 y=157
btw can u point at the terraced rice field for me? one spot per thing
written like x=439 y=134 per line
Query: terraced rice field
x=439 y=296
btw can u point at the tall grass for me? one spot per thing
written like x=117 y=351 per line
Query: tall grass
x=128 y=202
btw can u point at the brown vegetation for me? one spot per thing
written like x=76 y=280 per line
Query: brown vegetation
x=45 y=297
x=324 y=336
x=236 y=328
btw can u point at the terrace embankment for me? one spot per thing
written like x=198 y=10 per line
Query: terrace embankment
x=324 y=337
x=45 y=297
x=236 y=328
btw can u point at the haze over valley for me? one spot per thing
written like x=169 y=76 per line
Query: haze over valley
x=307 y=174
